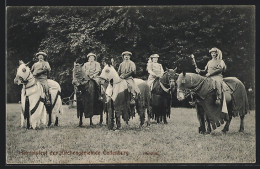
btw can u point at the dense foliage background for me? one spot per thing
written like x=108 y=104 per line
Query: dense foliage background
x=174 y=32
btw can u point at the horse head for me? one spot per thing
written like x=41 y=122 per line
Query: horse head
x=23 y=73
x=187 y=81
x=79 y=74
x=108 y=73
x=169 y=78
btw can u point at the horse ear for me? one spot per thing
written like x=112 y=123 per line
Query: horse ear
x=167 y=69
x=175 y=69
x=28 y=63
x=21 y=62
x=184 y=73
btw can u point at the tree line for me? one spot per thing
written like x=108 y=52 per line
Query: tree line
x=174 y=32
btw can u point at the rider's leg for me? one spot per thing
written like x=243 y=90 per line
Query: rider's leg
x=98 y=89
x=46 y=91
x=219 y=91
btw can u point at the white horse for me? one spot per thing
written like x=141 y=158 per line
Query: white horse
x=119 y=94
x=32 y=99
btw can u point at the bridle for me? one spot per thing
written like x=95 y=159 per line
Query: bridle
x=169 y=80
x=190 y=92
x=26 y=80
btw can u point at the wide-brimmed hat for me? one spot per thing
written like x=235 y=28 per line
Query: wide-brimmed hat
x=213 y=50
x=126 y=52
x=41 y=53
x=154 y=56
x=91 y=54
x=219 y=53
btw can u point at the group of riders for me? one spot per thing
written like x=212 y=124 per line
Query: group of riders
x=127 y=69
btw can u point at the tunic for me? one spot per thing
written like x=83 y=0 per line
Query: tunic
x=42 y=77
x=154 y=69
x=215 y=65
x=127 y=67
x=92 y=69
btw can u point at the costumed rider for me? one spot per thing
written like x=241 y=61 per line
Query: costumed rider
x=40 y=71
x=126 y=71
x=214 y=69
x=154 y=69
x=92 y=69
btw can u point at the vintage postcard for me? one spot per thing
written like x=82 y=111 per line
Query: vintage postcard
x=171 y=84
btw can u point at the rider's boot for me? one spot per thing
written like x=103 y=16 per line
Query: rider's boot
x=133 y=96
x=218 y=93
x=99 y=92
x=47 y=99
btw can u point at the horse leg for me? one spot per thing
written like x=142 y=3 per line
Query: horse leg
x=110 y=116
x=142 y=116
x=28 y=123
x=208 y=131
x=48 y=108
x=80 y=119
x=118 y=123
x=226 y=127
x=148 y=116
x=242 y=123
x=164 y=119
x=101 y=118
x=200 y=116
x=56 y=122
x=22 y=119
x=90 y=121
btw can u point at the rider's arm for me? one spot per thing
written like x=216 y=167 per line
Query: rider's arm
x=119 y=69
x=132 y=71
x=97 y=71
x=219 y=69
x=162 y=71
x=46 y=68
x=149 y=69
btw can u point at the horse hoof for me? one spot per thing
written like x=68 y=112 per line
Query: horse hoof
x=224 y=131
x=241 y=130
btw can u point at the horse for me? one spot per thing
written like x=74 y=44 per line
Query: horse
x=161 y=93
x=86 y=95
x=119 y=104
x=32 y=99
x=203 y=88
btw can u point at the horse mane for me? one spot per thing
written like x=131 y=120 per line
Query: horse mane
x=163 y=79
x=78 y=73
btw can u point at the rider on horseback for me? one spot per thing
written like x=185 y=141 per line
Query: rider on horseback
x=92 y=69
x=214 y=69
x=126 y=69
x=154 y=69
x=40 y=71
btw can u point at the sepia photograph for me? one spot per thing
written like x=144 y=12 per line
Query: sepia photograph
x=171 y=84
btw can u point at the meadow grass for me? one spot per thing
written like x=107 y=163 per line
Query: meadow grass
x=176 y=142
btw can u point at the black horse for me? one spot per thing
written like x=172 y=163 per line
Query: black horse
x=87 y=96
x=161 y=95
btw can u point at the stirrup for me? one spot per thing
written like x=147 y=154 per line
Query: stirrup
x=218 y=101
x=132 y=102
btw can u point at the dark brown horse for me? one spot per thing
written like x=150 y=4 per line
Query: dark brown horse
x=87 y=96
x=203 y=87
x=161 y=95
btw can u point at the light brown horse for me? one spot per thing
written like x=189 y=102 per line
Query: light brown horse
x=207 y=110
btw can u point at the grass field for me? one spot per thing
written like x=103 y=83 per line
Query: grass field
x=176 y=142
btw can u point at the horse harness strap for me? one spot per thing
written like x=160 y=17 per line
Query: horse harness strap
x=56 y=98
x=164 y=88
x=37 y=104
x=31 y=85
